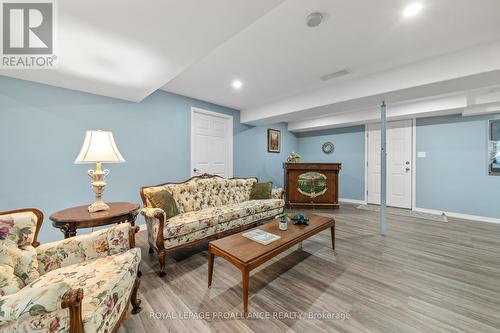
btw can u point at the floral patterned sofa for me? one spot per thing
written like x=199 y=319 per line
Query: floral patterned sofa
x=80 y=284
x=209 y=207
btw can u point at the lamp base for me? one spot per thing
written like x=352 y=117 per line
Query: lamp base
x=97 y=207
x=98 y=185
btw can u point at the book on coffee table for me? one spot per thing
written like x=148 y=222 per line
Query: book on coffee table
x=261 y=236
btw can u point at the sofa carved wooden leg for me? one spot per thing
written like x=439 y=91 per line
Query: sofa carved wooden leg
x=163 y=258
x=136 y=303
x=72 y=300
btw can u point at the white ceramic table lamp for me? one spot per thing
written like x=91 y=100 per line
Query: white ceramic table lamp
x=99 y=147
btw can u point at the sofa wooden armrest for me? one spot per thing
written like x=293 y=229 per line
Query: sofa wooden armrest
x=155 y=223
x=72 y=300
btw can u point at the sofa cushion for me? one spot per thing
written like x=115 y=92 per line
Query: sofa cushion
x=52 y=322
x=10 y=283
x=18 y=227
x=201 y=193
x=106 y=282
x=74 y=250
x=27 y=265
x=261 y=191
x=189 y=222
x=163 y=199
x=225 y=226
x=18 y=266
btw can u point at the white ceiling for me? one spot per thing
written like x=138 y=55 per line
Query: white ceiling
x=470 y=102
x=279 y=56
x=471 y=70
x=128 y=49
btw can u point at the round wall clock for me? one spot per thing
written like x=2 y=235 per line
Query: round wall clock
x=327 y=147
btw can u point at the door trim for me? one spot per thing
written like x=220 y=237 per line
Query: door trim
x=413 y=157
x=414 y=163
x=366 y=164
x=229 y=119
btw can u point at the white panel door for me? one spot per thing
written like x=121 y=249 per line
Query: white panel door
x=399 y=157
x=399 y=153
x=211 y=143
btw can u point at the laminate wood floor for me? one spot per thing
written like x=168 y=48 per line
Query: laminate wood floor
x=424 y=276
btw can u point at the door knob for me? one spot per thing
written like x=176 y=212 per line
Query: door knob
x=407 y=169
x=407 y=162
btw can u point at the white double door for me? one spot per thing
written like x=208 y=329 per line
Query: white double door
x=399 y=164
x=211 y=143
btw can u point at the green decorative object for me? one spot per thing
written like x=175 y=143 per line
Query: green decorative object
x=283 y=217
x=293 y=157
x=300 y=219
x=164 y=200
x=312 y=184
x=261 y=191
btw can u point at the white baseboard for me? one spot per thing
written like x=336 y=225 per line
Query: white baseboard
x=458 y=215
x=354 y=201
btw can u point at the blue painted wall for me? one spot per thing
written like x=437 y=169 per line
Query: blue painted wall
x=454 y=176
x=42 y=129
x=349 y=150
x=252 y=159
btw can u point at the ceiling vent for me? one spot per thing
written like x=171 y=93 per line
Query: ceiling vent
x=336 y=74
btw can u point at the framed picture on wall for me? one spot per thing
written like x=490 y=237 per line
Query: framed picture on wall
x=494 y=147
x=273 y=140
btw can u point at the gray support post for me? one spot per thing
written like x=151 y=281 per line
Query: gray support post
x=383 y=170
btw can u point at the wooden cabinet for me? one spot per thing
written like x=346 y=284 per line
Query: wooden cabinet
x=312 y=185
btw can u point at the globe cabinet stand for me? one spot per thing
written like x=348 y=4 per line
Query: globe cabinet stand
x=312 y=185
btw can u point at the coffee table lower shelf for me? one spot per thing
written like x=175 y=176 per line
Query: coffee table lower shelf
x=247 y=255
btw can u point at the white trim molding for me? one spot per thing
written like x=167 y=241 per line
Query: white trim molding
x=353 y=201
x=458 y=215
x=366 y=163
x=414 y=163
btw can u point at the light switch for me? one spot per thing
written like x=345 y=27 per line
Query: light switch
x=421 y=154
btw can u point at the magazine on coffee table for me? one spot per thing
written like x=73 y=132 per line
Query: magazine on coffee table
x=261 y=236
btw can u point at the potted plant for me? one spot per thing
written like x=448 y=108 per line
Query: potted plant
x=293 y=157
x=283 y=220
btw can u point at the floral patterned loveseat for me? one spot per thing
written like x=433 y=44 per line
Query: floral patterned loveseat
x=80 y=284
x=209 y=207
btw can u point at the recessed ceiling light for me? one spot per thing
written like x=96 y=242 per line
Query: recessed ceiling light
x=237 y=84
x=412 y=9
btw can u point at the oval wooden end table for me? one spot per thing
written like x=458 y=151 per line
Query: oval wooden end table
x=71 y=219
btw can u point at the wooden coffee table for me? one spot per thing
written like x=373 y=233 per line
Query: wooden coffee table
x=246 y=254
